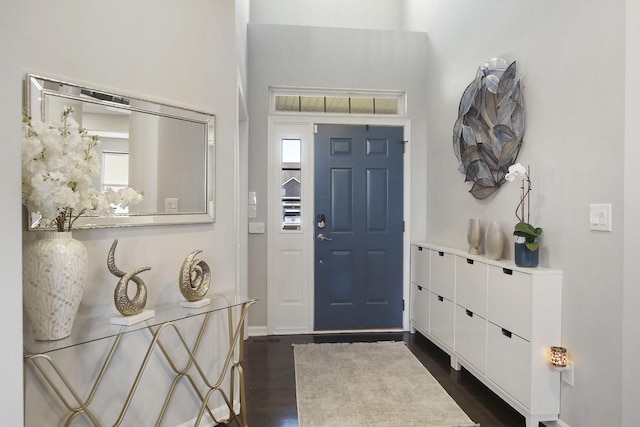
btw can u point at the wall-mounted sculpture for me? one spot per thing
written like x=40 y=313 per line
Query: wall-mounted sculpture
x=195 y=278
x=488 y=133
x=125 y=305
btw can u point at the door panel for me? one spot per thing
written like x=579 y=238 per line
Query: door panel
x=377 y=204
x=341 y=200
x=376 y=280
x=359 y=190
x=342 y=277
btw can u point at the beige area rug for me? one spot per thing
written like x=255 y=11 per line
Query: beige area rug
x=370 y=384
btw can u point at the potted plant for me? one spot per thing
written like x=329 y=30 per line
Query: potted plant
x=527 y=245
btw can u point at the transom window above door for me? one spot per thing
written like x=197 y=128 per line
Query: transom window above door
x=309 y=101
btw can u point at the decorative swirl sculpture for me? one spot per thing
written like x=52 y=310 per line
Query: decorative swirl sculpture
x=195 y=278
x=125 y=305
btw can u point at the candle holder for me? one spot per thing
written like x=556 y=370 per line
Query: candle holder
x=558 y=358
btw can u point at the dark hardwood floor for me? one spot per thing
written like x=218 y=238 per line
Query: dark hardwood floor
x=271 y=387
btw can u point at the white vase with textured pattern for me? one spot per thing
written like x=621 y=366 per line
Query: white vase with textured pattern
x=493 y=241
x=53 y=279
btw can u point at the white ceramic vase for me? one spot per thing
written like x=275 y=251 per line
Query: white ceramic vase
x=53 y=279
x=493 y=241
x=474 y=236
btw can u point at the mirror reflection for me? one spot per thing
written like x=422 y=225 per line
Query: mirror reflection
x=165 y=151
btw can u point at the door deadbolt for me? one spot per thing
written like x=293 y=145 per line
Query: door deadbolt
x=321 y=221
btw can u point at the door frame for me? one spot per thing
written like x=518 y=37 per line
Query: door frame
x=307 y=228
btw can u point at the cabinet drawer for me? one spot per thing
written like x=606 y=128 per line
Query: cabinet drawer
x=510 y=300
x=471 y=337
x=442 y=274
x=420 y=306
x=509 y=363
x=471 y=285
x=420 y=266
x=441 y=319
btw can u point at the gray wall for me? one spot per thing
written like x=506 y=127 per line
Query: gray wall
x=360 y=14
x=282 y=55
x=579 y=85
x=574 y=143
x=11 y=74
x=631 y=291
x=193 y=65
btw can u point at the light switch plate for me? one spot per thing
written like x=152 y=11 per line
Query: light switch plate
x=256 y=227
x=253 y=199
x=251 y=211
x=600 y=217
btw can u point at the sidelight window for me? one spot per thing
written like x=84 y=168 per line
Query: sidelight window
x=291 y=183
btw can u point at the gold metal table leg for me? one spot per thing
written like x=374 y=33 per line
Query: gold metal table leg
x=82 y=405
x=233 y=359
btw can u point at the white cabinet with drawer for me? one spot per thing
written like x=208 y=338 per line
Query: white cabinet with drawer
x=508 y=362
x=471 y=337
x=510 y=303
x=420 y=266
x=495 y=319
x=471 y=289
x=442 y=280
x=420 y=308
x=441 y=319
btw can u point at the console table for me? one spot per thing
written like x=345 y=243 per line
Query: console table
x=41 y=355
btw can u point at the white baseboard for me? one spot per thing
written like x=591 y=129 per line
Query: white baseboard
x=558 y=423
x=221 y=413
x=257 y=331
x=261 y=331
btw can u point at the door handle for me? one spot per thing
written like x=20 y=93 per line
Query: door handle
x=322 y=237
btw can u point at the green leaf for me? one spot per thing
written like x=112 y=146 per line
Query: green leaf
x=532 y=246
x=522 y=229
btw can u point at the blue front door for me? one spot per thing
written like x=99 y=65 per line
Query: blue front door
x=358 y=227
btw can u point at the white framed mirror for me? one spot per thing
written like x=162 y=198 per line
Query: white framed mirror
x=168 y=152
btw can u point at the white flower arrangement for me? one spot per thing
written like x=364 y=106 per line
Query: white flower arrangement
x=58 y=163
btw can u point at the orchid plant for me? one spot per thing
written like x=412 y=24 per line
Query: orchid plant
x=58 y=162
x=523 y=229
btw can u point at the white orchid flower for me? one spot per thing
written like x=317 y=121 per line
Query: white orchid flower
x=515 y=171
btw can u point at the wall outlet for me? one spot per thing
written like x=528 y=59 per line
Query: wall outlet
x=566 y=375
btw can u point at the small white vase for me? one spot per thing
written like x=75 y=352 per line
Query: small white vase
x=493 y=241
x=474 y=236
x=53 y=279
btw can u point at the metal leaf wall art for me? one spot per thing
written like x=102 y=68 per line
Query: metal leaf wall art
x=125 y=305
x=195 y=278
x=488 y=133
